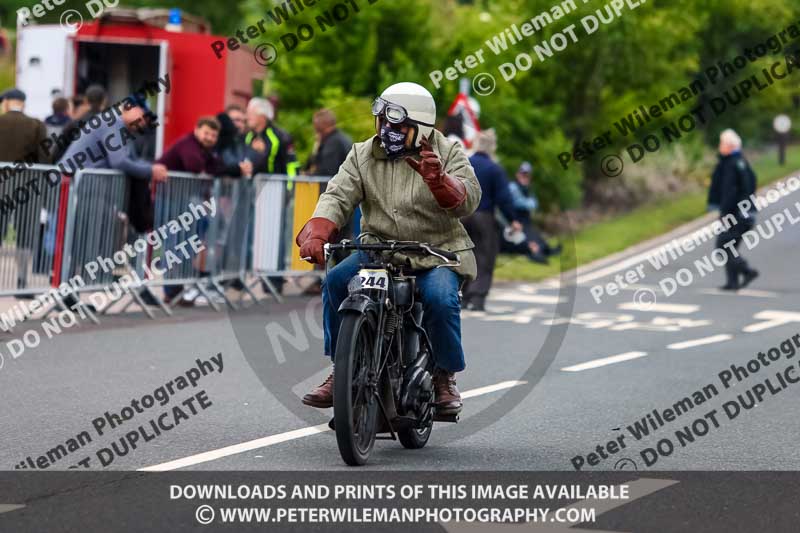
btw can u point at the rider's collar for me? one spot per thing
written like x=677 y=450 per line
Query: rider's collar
x=377 y=151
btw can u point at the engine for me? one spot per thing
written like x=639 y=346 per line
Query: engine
x=417 y=391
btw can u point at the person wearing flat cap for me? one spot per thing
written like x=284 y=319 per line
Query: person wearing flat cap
x=22 y=135
x=20 y=145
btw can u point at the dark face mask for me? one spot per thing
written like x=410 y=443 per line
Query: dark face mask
x=393 y=141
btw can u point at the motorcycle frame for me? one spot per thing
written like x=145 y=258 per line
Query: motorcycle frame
x=379 y=302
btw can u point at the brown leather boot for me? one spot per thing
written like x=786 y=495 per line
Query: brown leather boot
x=322 y=396
x=447 y=397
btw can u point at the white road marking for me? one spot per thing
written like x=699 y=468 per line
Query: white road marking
x=595 y=363
x=772 y=319
x=524 y=316
x=8 y=507
x=491 y=388
x=699 y=342
x=616 y=267
x=288 y=436
x=662 y=323
x=756 y=293
x=500 y=308
x=681 y=309
x=507 y=296
x=743 y=292
x=237 y=448
x=654 y=288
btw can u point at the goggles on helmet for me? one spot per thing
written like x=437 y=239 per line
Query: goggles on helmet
x=394 y=113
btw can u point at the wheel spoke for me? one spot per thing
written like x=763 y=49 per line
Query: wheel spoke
x=360 y=399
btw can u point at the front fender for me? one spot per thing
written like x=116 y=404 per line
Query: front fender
x=358 y=303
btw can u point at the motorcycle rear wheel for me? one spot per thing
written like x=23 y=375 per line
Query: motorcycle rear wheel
x=413 y=438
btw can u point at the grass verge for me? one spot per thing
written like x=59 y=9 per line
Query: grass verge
x=646 y=222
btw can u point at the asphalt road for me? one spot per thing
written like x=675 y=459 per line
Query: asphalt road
x=552 y=375
x=55 y=391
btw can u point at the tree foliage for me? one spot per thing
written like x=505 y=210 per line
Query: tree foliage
x=638 y=59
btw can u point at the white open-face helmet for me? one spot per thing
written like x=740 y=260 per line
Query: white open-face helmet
x=410 y=103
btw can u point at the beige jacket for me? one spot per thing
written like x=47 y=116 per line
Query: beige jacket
x=397 y=204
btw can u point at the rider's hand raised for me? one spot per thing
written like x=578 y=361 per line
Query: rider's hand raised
x=448 y=191
x=430 y=167
x=312 y=239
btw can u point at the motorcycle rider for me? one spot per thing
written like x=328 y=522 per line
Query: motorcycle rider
x=402 y=198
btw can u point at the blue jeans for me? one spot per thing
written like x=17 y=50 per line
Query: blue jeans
x=438 y=289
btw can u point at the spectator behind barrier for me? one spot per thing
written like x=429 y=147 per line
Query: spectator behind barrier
x=21 y=135
x=80 y=105
x=232 y=150
x=110 y=146
x=270 y=148
x=331 y=147
x=21 y=138
x=194 y=152
x=272 y=151
x=230 y=146
x=140 y=207
x=94 y=102
x=113 y=146
x=60 y=118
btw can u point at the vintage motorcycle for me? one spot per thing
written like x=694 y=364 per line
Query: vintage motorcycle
x=384 y=359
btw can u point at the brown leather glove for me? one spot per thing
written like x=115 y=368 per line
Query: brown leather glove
x=448 y=191
x=313 y=237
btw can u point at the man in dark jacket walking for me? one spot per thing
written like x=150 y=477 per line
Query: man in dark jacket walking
x=733 y=181
x=481 y=225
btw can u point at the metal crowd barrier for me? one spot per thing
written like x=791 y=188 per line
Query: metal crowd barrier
x=229 y=240
x=32 y=218
x=172 y=198
x=29 y=205
x=96 y=227
x=57 y=225
x=280 y=214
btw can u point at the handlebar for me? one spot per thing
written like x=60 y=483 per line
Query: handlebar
x=395 y=246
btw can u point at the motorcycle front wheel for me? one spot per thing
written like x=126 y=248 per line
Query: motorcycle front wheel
x=355 y=405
